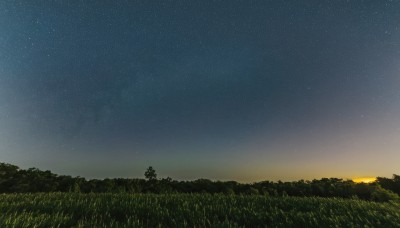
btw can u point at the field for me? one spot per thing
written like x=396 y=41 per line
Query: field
x=180 y=210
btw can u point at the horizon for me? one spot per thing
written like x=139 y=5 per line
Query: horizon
x=359 y=179
x=243 y=91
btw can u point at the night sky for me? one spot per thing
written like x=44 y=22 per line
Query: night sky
x=228 y=90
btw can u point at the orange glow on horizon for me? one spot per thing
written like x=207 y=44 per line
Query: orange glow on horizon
x=364 y=179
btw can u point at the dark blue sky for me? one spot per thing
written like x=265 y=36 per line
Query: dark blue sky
x=244 y=90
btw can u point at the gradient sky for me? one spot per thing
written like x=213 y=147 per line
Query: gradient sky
x=229 y=90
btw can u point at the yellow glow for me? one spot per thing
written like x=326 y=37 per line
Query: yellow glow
x=364 y=179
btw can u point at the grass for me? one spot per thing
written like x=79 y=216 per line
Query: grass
x=182 y=210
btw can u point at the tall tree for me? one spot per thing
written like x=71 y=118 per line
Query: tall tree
x=150 y=174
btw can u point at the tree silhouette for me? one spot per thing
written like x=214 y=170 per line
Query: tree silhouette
x=150 y=174
x=14 y=179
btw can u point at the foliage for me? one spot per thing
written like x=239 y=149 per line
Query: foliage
x=15 y=180
x=383 y=195
x=150 y=174
x=390 y=184
x=190 y=210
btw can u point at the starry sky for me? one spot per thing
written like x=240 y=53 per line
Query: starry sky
x=227 y=90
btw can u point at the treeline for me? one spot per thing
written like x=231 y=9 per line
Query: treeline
x=16 y=180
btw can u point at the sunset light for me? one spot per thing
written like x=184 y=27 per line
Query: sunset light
x=364 y=179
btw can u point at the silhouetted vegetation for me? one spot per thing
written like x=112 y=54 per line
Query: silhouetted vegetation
x=16 y=180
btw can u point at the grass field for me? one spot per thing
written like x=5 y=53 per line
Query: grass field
x=180 y=210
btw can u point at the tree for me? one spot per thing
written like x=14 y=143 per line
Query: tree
x=383 y=195
x=150 y=174
x=8 y=176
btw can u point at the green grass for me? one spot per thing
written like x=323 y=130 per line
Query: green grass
x=180 y=210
